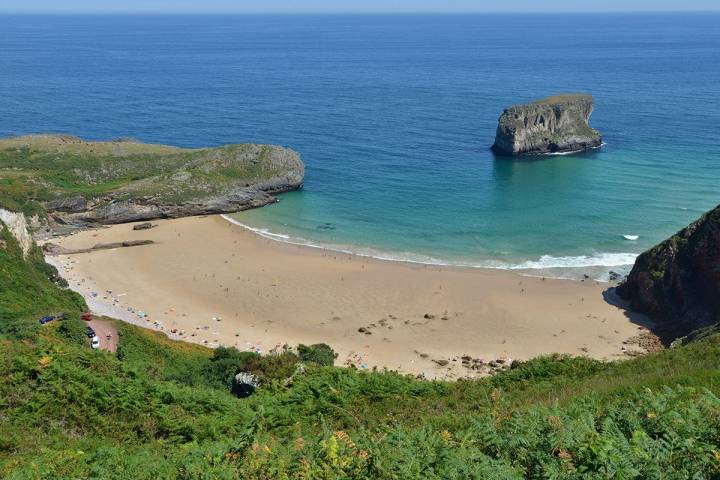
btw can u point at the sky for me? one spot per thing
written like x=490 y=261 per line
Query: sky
x=347 y=6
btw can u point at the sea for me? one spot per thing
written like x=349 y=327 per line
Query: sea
x=394 y=116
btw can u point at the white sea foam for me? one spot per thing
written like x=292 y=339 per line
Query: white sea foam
x=557 y=154
x=554 y=266
x=570 y=152
x=597 y=260
x=263 y=232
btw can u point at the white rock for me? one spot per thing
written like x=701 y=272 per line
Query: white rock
x=18 y=227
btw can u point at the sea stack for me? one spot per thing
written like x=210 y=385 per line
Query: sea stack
x=551 y=125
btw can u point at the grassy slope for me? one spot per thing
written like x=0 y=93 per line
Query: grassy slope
x=162 y=409
x=26 y=293
x=40 y=168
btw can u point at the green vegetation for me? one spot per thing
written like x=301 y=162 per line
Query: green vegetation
x=73 y=330
x=160 y=409
x=562 y=98
x=320 y=354
x=41 y=168
x=29 y=289
x=18 y=195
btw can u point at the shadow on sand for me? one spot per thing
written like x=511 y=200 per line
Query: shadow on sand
x=640 y=319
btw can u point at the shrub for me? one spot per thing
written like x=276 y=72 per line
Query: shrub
x=225 y=363
x=320 y=353
x=73 y=330
x=545 y=367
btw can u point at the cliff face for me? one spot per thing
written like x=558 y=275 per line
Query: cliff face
x=550 y=125
x=18 y=227
x=77 y=183
x=678 y=281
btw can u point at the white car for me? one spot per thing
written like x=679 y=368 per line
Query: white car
x=95 y=342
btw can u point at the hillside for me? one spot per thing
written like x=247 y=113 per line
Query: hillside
x=677 y=282
x=74 y=182
x=160 y=409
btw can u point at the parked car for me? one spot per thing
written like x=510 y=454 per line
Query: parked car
x=87 y=316
x=95 y=342
x=90 y=332
x=47 y=319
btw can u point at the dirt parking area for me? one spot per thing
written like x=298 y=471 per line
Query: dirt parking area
x=106 y=331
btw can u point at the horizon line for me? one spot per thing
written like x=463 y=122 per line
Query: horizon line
x=334 y=12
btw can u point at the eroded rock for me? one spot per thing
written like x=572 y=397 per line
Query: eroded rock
x=18 y=227
x=55 y=249
x=677 y=282
x=551 y=125
x=143 y=226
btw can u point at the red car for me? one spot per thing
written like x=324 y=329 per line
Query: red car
x=86 y=316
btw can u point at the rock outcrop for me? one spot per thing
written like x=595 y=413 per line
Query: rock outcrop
x=54 y=249
x=677 y=282
x=551 y=125
x=90 y=183
x=108 y=210
x=18 y=227
x=144 y=226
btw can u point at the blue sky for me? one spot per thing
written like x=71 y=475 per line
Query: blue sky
x=366 y=6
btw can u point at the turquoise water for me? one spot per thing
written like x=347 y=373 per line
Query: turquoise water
x=394 y=116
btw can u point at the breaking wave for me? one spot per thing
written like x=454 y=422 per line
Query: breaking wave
x=559 y=267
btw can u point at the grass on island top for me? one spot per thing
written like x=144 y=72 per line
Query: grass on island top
x=562 y=98
x=161 y=409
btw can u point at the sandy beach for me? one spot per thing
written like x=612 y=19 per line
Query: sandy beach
x=208 y=281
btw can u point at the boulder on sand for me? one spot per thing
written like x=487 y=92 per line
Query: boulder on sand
x=143 y=226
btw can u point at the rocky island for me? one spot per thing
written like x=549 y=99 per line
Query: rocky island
x=552 y=125
x=63 y=181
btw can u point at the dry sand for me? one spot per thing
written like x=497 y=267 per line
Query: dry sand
x=208 y=281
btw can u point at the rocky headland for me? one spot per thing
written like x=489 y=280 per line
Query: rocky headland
x=677 y=282
x=552 y=125
x=63 y=182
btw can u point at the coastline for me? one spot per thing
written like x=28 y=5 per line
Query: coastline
x=207 y=281
x=569 y=267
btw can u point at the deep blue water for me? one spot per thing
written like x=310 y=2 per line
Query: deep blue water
x=393 y=116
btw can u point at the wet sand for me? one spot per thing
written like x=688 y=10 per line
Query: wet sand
x=208 y=281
